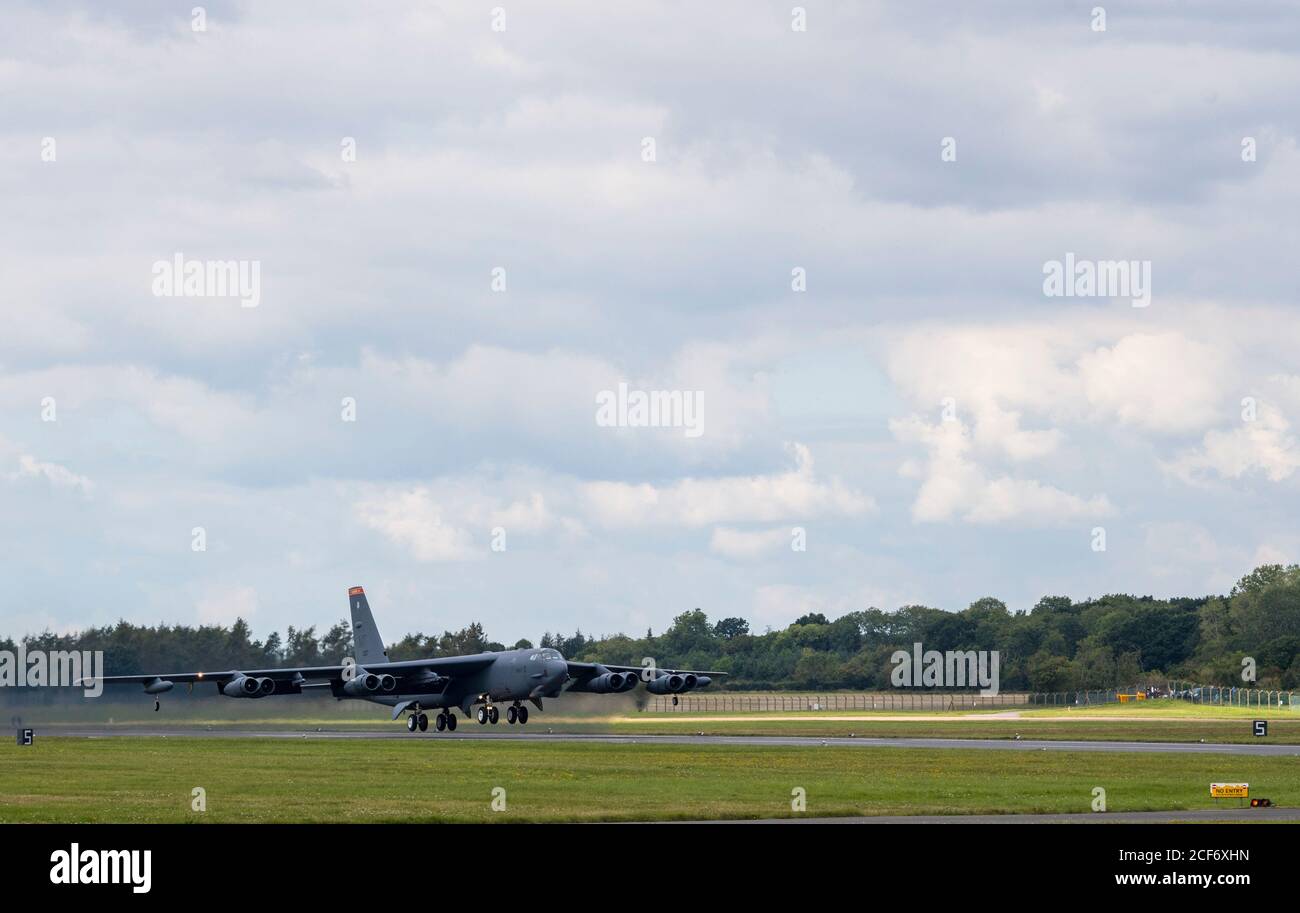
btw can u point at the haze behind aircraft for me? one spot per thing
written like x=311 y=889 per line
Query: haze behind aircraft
x=445 y=683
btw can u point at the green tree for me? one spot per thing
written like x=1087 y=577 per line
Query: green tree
x=1047 y=672
x=729 y=628
x=337 y=643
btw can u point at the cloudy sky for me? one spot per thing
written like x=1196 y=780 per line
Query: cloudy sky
x=938 y=427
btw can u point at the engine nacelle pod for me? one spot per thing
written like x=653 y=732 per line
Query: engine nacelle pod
x=265 y=686
x=607 y=683
x=666 y=684
x=387 y=682
x=703 y=681
x=363 y=683
x=242 y=686
x=629 y=681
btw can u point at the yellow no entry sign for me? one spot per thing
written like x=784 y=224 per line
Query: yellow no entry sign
x=1229 y=790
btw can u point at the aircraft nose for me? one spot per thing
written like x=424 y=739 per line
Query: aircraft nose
x=557 y=670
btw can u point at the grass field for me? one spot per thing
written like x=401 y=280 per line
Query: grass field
x=1286 y=733
x=249 y=780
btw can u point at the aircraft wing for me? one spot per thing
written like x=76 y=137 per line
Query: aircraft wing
x=450 y=666
x=583 y=671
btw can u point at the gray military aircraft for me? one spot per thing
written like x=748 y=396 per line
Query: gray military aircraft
x=444 y=682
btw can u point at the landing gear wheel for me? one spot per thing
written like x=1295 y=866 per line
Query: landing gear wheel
x=410 y=723
x=674 y=700
x=451 y=722
x=423 y=722
x=512 y=714
x=494 y=715
x=440 y=722
x=482 y=715
x=523 y=715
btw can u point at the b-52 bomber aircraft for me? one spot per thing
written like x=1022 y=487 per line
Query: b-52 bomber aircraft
x=443 y=683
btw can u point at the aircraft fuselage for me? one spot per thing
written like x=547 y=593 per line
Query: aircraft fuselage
x=511 y=675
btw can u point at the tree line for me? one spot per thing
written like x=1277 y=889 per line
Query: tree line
x=1111 y=641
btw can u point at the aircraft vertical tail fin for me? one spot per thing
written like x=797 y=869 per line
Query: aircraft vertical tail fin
x=369 y=646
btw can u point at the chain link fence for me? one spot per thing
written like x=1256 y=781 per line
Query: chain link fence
x=787 y=702
x=1232 y=696
x=883 y=700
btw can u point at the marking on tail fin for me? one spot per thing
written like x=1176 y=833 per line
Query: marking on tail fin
x=367 y=643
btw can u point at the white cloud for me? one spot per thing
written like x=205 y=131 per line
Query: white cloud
x=1267 y=553
x=1087 y=379
x=779 y=604
x=57 y=476
x=449 y=518
x=527 y=516
x=476 y=408
x=1075 y=367
x=1189 y=555
x=691 y=502
x=412 y=519
x=955 y=487
x=748 y=544
x=222 y=605
x=1163 y=382
x=1265 y=446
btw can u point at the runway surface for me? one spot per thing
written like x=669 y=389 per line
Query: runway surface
x=539 y=734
